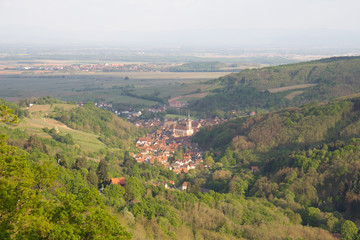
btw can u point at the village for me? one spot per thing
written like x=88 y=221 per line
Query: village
x=170 y=144
x=101 y=67
x=170 y=141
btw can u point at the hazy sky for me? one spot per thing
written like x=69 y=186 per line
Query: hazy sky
x=227 y=22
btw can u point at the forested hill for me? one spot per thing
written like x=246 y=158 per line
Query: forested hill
x=284 y=85
x=308 y=157
x=50 y=189
x=311 y=124
x=328 y=71
x=54 y=188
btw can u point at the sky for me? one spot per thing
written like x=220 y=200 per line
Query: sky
x=321 y=23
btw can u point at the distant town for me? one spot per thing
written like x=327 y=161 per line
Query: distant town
x=169 y=142
x=102 y=67
x=171 y=136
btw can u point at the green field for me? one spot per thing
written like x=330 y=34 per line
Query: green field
x=88 y=142
x=173 y=116
x=108 y=87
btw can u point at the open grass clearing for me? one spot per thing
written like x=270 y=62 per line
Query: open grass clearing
x=64 y=106
x=88 y=142
x=191 y=97
x=178 y=116
x=175 y=90
x=39 y=111
x=293 y=94
x=282 y=89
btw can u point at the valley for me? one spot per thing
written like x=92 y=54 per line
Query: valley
x=261 y=157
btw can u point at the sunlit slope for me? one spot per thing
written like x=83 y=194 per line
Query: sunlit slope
x=285 y=85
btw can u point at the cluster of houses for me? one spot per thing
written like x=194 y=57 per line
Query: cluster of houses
x=101 y=67
x=159 y=146
x=103 y=105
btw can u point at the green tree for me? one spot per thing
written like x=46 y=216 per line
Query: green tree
x=348 y=230
x=80 y=163
x=134 y=189
x=92 y=178
x=18 y=199
x=61 y=159
x=209 y=161
x=7 y=115
x=311 y=216
x=129 y=163
x=238 y=186
x=114 y=191
x=102 y=171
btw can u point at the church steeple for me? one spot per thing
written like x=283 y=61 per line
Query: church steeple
x=188 y=123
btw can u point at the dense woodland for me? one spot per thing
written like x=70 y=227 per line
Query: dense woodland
x=286 y=174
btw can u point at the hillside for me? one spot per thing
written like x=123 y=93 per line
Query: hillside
x=89 y=127
x=305 y=159
x=61 y=183
x=292 y=127
x=112 y=130
x=284 y=85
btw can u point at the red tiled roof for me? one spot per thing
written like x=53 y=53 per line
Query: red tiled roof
x=118 y=181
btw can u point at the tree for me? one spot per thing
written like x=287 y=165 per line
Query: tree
x=178 y=154
x=221 y=175
x=92 y=178
x=129 y=163
x=311 y=216
x=80 y=163
x=209 y=161
x=17 y=196
x=238 y=186
x=133 y=189
x=7 y=115
x=348 y=230
x=114 y=191
x=102 y=171
x=195 y=188
x=61 y=160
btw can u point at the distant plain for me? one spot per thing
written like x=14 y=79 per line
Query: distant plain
x=102 y=86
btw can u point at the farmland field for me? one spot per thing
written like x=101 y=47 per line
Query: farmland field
x=107 y=87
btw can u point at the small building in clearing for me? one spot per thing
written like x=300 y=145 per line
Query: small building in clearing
x=185 y=186
x=118 y=181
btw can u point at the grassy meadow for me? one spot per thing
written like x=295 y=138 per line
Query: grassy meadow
x=88 y=142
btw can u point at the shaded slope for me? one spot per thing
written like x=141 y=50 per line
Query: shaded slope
x=307 y=125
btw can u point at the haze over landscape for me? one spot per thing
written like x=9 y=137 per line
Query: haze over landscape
x=279 y=23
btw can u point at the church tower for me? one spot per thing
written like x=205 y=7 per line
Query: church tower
x=189 y=129
x=188 y=123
